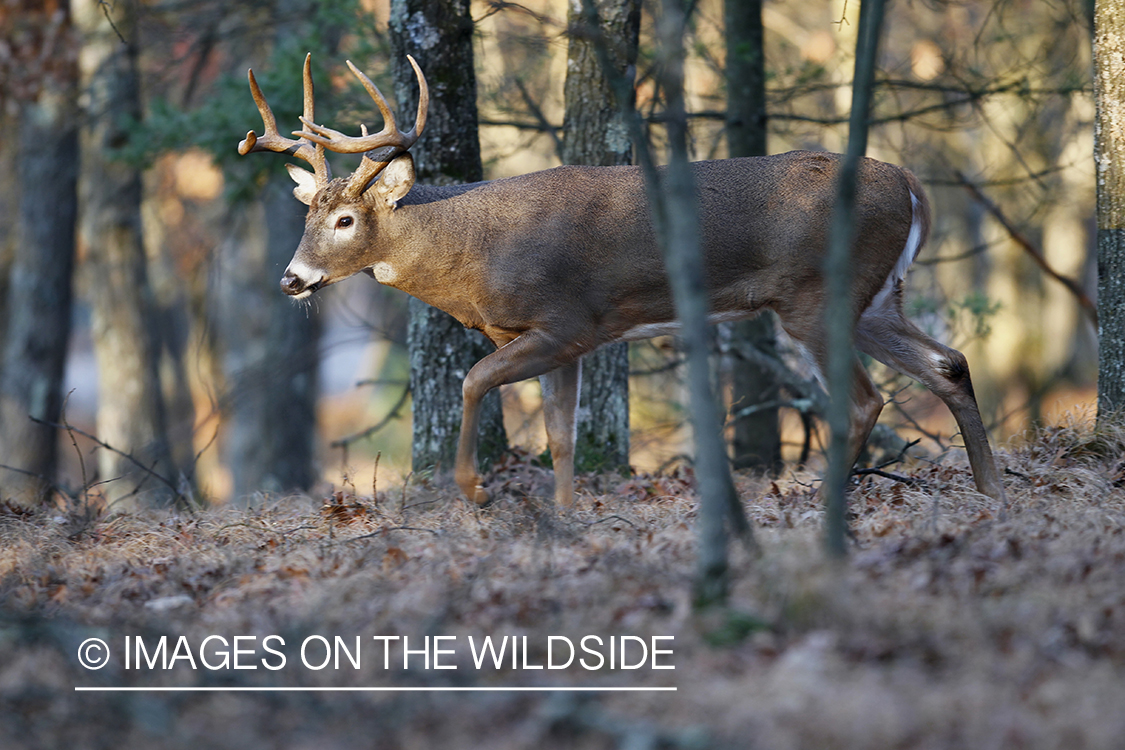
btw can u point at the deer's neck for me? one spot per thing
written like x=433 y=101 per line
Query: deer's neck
x=431 y=255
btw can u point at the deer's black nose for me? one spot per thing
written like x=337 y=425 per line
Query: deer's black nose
x=292 y=284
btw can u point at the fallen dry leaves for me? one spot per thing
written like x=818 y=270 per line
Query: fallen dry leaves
x=948 y=627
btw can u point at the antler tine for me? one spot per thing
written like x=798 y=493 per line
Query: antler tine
x=423 y=100
x=307 y=87
x=272 y=140
x=319 y=161
x=251 y=142
x=389 y=124
x=390 y=135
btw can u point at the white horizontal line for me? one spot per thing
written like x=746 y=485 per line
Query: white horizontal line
x=82 y=689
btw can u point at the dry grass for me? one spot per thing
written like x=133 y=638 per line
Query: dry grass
x=948 y=627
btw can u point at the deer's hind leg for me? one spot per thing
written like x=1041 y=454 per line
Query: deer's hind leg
x=560 y=415
x=865 y=403
x=884 y=333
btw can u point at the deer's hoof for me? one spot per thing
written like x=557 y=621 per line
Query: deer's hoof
x=479 y=496
x=474 y=491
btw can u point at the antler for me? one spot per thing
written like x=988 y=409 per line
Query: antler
x=378 y=148
x=302 y=148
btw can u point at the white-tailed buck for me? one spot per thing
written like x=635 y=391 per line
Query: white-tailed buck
x=551 y=265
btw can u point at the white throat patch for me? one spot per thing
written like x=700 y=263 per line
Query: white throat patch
x=384 y=273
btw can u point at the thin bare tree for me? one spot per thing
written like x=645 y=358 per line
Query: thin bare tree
x=838 y=312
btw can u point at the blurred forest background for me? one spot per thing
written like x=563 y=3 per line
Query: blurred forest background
x=120 y=183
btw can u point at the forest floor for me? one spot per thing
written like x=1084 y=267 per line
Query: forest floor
x=947 y=627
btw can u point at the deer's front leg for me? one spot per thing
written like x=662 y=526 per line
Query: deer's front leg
x=527 y=356
x=560 y=412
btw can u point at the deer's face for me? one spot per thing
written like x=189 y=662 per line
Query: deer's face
x=342 y=230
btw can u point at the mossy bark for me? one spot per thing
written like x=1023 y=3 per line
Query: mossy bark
x=1109 y=158
x=594 y=134
x=439 y=34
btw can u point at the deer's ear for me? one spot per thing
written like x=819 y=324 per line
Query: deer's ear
x=396 y=180
x=306 y=183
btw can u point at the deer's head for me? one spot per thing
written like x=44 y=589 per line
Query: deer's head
x=344 y=213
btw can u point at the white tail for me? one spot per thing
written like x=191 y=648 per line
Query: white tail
x=552 y=265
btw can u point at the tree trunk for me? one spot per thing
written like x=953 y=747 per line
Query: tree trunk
x=439 y=34
x=839 y=315
x=9 y=209
x=594 y=134
x=271 y=352
x=37 y=322
x=131 y=413
x=270 y=345
x=1109 y=158
x=757 y=437
x=594 y=131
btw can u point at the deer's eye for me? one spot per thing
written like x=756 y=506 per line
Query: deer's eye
x=344 y=222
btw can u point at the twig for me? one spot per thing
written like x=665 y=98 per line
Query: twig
x=393 y=414
x=609 y=518
x=195 y=461
x=385 y=529
x=421 y=503
x=971 y=252
x=77 y=450
x=402 y=506
x=537 y=113
x=105 y=6
x=805 y=389
x=101 y=443
x=901 y=454
x=914 y=423
x=1088 y=306
x=914 y=481
x=969 y=96
x=538 y=127
x=375 y=478
x=25 y=472
x=498 y=6
x=807 y=425
x=671 y=364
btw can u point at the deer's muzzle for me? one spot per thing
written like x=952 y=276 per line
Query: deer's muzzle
x=295 y=286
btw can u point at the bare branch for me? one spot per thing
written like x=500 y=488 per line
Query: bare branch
x=128 y=456
x=392 y=415
x=1084 y=302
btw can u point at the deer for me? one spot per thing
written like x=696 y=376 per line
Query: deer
x=553 y=264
